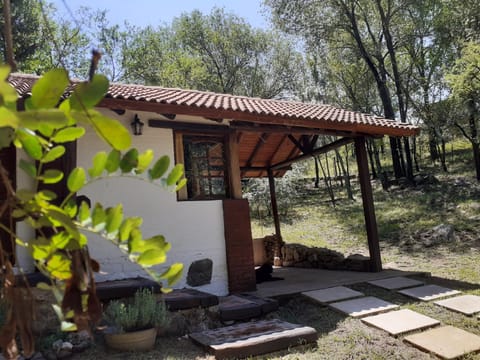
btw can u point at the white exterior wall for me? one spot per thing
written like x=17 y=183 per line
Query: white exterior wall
x=194 y=228
x=24 y=232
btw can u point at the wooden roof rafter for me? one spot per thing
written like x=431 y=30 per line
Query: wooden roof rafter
x=321 y=150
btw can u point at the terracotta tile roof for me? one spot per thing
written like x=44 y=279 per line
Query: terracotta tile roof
x=279 y=112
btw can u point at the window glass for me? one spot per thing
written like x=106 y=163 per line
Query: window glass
x=204 y=158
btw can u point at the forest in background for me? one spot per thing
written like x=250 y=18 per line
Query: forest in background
x=416 y=62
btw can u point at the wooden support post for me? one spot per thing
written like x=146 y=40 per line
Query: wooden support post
x=368 y=207
x=273 y=198
x=233 y=164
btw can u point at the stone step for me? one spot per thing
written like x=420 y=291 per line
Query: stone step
x=333 y=294
x=400 y=321
x=117 y=289
x=396 y=283
x=361 y=307
x=429 y=292
x=182 y=299
x=465 y=304
x=253 y=338
x=447 y=342
x=245 y=307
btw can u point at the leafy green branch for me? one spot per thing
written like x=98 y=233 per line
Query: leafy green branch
x=55 y=114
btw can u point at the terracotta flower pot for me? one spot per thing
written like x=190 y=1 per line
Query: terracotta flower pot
x=142 y=340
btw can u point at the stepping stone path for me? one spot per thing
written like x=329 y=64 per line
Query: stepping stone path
x=428 y=292
x=253 y=338
x=400 y=321
x=336 y=293
x=447 y=342
x=245 y=307
x=396 y=283
x=465 y=304
x=363 y=306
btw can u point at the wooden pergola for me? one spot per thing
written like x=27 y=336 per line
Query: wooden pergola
x=264 y=136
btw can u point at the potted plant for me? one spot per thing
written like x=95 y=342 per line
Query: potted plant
x=133 y=323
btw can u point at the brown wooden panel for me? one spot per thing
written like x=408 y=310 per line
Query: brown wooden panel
x=239 y=246
x=8 y=160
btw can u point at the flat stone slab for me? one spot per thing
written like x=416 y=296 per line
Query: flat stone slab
x=235 y=307
x=396 y=283
x=400 y=321
x=332 y=294
x=428 y=292
x=363 y=306
x=117 y=289
x=447 y=342
x=465 y=304
x=267 y=305
x=182 y=299
x=253 y=338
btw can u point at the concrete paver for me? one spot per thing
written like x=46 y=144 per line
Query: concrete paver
x=362 y=306
x=400 y=321
x=447 y=342
x=396 y=283
x=465 y=304
x=428 y=292
x=332 y=294
x=298 y=280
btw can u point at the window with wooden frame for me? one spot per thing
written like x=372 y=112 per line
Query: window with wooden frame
x=203 y=156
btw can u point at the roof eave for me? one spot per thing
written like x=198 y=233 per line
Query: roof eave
x=374 y=130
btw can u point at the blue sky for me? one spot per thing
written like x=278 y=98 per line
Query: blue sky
x=156 y=12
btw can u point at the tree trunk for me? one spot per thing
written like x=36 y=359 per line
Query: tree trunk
x=317 y=175
x=414 y=151
x=443 y=156
x=409 y=163
x=370 y=158
x=402 y=106
x=346 y=175
x=380 y=75
x=382 y=173
x=474 y=135
x=432 y=144
x=327 y=183
x=7 y=33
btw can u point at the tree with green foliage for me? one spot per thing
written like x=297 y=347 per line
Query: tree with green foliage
x=364 y=28
x=217 y=52
x=464 y=80
x=60 y=247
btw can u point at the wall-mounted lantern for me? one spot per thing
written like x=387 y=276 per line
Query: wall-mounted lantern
x=137 y=125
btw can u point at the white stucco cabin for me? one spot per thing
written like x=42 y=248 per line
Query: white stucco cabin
x=221 y=139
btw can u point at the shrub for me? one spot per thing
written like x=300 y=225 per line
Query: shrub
x=142 y=312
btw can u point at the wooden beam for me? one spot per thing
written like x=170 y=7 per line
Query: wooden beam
x=277 y=149
x=318 y=151
x=297 y=143
x=287 y=129
x=261 y=142
x=368 y=207
x=182 y=194
x=233 y=165
x=273 y=201
x=253 y=168
x=186 y=126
